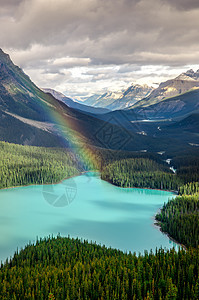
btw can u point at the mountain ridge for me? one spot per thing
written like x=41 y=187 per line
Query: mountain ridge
x=73 y=104
x=181 y=84
x=26 y=118
x=131 y=95
x=120 y=99
x=24 y=107
x=142 y=95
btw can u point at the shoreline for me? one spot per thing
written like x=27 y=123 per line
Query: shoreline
x=81 y=173
x=35 y=184
x=145 y=188
x=158 y=226
x=155 y=223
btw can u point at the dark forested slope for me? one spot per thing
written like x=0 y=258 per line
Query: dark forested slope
x=64 y=268
x=142 y=173
x=23 y=165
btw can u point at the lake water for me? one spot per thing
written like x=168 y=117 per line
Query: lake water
x=84 y=207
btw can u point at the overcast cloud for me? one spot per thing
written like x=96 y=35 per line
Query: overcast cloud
x=84 y=46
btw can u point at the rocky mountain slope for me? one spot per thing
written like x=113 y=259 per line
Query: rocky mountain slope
x=181 y=84
x=131 y=96
x=119 y=99
x=103 y=100
x=30 y=116
x=175 y=107
x=71 y=103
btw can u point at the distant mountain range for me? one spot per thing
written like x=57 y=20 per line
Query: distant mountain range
x=71 y=103
x=30 y=116
x=103 y=100
x=171 y=88
x=143 y=95
x=119 y=99
x=130 y=96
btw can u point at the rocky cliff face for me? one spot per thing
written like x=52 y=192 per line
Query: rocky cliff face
x=105 y=100
x=178 y=106
x=120 y=99
x=170 y=88
x=131 y=96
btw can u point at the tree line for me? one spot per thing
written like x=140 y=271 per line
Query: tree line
x=179 y=217
x=141 y=173
x=65 y=268
x=23 y=165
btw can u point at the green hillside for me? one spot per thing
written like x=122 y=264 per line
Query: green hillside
x=64 y=268
x=180 y=218
x=23 y=165
x=141 y=173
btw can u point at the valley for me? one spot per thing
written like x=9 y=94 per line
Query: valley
x=98 y=171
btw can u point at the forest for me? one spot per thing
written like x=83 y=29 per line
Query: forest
x=180 y=219
x=65 y=268
x=23 y=165
x=141 y=173
x=180 y=216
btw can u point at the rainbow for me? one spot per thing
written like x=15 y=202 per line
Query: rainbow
x=79 y=147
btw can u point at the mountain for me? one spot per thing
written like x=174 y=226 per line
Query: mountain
x=186 y=129
x=175 y=107
x=175 y=118
x=190 y=124
x=144 y=96
x=30 y=116
x=103 y=100
x=120 y=99
x=58 y=96
x=90 y=100
x=181 y=84
x=69 y=102
x=130 y=96
x=189 y=75
x=23 y=118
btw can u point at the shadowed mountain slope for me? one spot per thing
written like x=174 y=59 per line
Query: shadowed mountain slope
x=30 y=116
x=171 y=88
x=73 y=104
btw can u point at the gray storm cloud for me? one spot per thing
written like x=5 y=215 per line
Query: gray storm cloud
x=107 y=32
x=40 y=33
x=183 y=4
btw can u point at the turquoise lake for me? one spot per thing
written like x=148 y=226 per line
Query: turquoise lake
x=84 y=207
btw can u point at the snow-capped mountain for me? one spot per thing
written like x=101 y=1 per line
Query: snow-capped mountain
x=181 y=84
x=120 y=99
x=130 y=96
x=73 y=104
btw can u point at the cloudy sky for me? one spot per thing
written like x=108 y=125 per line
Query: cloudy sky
x=81 y=47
